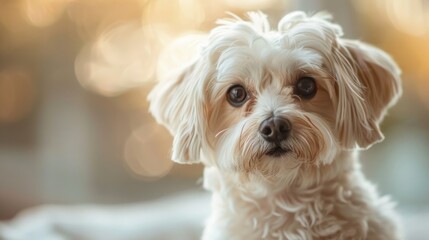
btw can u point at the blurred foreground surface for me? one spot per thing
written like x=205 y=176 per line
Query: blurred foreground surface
x=158 y=220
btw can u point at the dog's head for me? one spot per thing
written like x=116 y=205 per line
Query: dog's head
x=258 y=100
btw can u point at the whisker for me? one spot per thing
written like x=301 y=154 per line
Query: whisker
x=221 y=131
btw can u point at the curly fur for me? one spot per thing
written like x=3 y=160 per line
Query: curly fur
x=317 y=190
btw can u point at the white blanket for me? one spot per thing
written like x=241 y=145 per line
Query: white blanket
x=179 y=217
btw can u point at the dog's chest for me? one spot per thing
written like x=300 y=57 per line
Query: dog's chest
x=279 y=217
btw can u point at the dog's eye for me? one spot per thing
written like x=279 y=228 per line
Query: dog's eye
x=306 y=87
x=236 y=95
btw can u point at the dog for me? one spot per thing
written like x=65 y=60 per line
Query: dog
x=277 y=117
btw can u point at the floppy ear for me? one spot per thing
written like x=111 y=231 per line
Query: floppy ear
x=369 y=90
x=178 y=104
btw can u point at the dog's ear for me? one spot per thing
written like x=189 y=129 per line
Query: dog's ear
x=370 y=85
x=178 y=104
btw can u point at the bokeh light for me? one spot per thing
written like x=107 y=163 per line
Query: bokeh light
x=405 y=29
x=42 y=13
x=182 y=14
x=147 y=151
x=179 y=53
x=17 y=94
x=93 y=17
x=9 y=17
x=409 y=16
x=250 y=4
x=122 y=58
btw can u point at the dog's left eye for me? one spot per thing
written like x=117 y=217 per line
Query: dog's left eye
x=236 y=95
x=306 y=87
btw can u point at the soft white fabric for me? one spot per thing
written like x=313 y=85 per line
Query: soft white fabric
x=179 y=217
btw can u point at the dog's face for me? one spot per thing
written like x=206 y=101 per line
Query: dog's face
x=259 y=101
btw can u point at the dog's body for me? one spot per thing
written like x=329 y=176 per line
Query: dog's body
x=277 y=118
x=343 y=206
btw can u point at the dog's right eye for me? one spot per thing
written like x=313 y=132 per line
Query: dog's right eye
x=236 y=95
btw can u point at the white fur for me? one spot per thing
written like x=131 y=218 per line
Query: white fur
x=317 y=191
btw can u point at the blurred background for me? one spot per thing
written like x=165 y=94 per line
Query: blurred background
x=74 y=77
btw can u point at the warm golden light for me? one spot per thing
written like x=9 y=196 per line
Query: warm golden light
x=404 y=35
x=180 y=14
x=147 y=151
x=181 y=52
x=250 y=4
x=122 y=58
x=409 y=16
x=42 y=13
x=17 y=94
x=92 y=17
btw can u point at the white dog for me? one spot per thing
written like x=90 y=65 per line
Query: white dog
x=277 y=118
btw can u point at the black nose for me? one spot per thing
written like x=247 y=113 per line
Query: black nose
x=275 y=129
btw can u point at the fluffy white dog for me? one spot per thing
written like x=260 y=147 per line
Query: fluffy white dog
x=277 y=118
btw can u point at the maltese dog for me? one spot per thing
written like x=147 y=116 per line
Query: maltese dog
x=277 y=118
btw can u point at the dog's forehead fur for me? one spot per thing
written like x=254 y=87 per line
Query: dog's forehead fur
x=250 y=51
x=254 y=66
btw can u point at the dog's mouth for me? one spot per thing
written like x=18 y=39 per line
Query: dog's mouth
x=277 y=151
